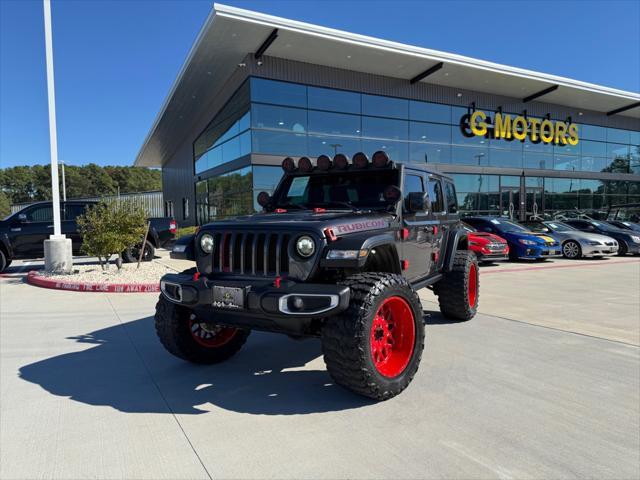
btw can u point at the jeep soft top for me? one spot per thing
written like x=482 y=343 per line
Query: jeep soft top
x=338 y=252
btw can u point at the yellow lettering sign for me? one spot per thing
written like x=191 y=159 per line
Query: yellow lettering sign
x=478 y=127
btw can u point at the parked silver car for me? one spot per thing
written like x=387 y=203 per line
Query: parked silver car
x=575 y=243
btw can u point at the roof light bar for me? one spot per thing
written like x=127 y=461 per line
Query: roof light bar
x=340 y=161
x=323 y=162
x=360 y=160
x=288 y=164
x=305 y=165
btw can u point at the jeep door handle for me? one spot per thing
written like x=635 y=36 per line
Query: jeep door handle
x=49 y=226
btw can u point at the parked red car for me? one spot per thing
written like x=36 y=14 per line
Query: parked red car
x=487 y=246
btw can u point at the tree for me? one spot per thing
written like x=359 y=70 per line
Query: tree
x=5 y=205
x=111 y=227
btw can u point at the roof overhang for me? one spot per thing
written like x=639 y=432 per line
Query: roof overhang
x=230 y=33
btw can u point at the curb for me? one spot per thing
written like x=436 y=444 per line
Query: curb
x=39 y=281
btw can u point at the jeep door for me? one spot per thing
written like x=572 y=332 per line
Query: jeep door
x=416 y=248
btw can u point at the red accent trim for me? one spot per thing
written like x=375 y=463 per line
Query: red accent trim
x=404 y=233
x=277 y=282
x=472 y=288
x=435 y=230
x=393 y=336
x=34 y=279
x=436 y=256
x=280 y=210
x=404 y=264
x=331 y=236
x=319 y=210
x=196 y=276
x=173 y=226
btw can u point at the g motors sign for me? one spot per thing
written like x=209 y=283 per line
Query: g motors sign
x=508 y=127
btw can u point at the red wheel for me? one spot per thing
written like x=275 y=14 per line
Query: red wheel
x=393 y=336
x=211 y=336
x=473 y=285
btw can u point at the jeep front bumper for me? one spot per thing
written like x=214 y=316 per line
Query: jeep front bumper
x=251 y=297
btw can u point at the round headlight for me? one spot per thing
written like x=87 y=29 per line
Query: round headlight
x=305 y=246
x=206 y=243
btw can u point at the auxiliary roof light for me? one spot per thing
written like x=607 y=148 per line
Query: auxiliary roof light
x=288 y=165
x=304 y=164
x=360 y=160
x=380 y=159
x=340 y=161
x=323 y=162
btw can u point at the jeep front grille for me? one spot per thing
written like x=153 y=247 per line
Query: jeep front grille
x=251 y=253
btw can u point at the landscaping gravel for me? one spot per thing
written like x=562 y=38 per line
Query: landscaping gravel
x=149 y=272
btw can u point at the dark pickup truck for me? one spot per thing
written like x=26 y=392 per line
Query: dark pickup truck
x=23 y=233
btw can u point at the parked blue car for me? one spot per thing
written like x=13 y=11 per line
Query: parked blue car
x=523 y=243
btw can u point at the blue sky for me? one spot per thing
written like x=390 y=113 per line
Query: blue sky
x=116 y=60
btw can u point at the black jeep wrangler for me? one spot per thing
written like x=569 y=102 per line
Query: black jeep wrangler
x=339 y=253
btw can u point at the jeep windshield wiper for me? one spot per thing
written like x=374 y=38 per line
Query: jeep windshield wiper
x=291 y=205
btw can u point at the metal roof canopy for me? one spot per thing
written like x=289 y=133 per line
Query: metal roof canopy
x=230 y=33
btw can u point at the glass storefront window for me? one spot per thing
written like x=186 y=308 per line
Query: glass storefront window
x=505 y=158
x=230 y=194
x=592 y=132
x=397 y=151
x=278 y=143
x=325 y=145
x=279 y=118
x=334 y=100
x=373 y=127
x=615 y=135
x=429 y=132
x=379 y=106
x=334 y=123
x=429 y=153
x=566 y=162
x=429 y=112
x=478 y=155
x=278 y=93
x=534 y=159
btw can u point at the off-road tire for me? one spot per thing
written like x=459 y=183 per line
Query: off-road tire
x=346 y=337
x=172 y=327
x=578 y=251
x=131 y=255
x=453 y=291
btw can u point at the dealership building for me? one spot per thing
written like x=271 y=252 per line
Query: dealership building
x=256 y=88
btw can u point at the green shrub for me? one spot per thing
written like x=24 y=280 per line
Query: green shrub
x=110 y=227
x=181 y=232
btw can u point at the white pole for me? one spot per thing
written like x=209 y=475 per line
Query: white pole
x=55 y=192
x=64 y=183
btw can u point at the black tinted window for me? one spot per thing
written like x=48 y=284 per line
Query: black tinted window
x=435 y=195
x=452 y=203
x=413 y=183
x=40 y=214
x=71 y=212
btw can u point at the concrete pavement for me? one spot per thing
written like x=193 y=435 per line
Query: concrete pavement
x=87 y=391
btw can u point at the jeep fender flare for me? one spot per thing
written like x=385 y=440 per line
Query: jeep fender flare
x=388 y=241
x=456 y=240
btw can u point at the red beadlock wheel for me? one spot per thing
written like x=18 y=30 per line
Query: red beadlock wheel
x=393 y=336
x=473 y=285
x=211 y=336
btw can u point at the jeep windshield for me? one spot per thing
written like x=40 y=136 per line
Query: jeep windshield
x=359 y=189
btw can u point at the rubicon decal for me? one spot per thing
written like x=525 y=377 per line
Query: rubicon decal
x=361 y=226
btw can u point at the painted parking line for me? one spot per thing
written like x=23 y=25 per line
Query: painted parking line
x=548 y=267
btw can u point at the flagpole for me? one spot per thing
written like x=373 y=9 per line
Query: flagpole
x=57 y=249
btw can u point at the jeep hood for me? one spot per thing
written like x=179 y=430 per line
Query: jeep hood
x=342 y=222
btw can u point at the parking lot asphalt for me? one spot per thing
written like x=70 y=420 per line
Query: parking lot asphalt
x=543 y=383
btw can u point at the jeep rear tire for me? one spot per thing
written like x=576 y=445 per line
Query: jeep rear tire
x=374 y=347
x=458 y=292
x=198 y=342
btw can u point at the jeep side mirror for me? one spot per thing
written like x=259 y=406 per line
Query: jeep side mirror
x=263 y=199
x=22 y=218
x=418 y=202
